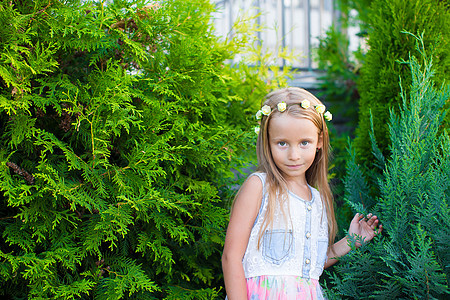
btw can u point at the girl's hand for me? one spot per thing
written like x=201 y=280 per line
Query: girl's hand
x=365 y=227
x=362 y=229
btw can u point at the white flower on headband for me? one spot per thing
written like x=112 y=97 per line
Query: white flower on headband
x=257 y=129
x=266 y=110
x=328 y=116
x=320 y=108
x=305 y=104
x=259 y=115
x=281 y=106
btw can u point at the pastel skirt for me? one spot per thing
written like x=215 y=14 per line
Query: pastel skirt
x=283 y=288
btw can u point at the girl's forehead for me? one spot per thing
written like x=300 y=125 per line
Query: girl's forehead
x=290 y=118
x=283 y=124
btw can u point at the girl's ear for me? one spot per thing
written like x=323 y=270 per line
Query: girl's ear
x=320 y=141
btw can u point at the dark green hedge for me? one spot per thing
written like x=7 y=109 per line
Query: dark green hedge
x=119 y=127
x=378 y=84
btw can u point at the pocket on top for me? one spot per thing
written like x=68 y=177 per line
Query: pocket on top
x=322 y=249
x=277 y=245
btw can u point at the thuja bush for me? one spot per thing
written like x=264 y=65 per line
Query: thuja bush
x=338 y=84
x=119 y=125
x=377 y=84
x=410 y=260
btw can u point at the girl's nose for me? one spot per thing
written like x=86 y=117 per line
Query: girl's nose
x=294 y=154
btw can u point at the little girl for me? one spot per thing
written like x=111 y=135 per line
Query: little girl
x=282 y=221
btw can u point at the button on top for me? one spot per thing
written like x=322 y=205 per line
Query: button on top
x=309 y=207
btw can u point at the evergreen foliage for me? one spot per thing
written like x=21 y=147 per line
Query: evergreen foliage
x=410 y=260
x=348 y=7
x=342 y=67
x=338 y=84
x=120 y=123
x=387 y=43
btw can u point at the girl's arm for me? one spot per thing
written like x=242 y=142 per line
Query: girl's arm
x=243 y=215
x=366 y=228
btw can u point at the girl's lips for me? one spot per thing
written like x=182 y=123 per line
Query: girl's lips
x=294 y=166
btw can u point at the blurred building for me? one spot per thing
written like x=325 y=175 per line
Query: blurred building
x=294 y=24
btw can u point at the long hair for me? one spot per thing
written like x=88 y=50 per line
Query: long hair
x=316 y=175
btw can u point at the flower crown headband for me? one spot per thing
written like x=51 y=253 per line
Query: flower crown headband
x=266 y=110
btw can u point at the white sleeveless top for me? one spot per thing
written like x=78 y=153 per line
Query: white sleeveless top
x=297 y=247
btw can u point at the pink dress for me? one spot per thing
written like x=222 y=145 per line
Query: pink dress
x=283 y=288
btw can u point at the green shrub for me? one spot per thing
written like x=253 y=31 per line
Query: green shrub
x=378 y=83
x=347 y=16
x=410 y=260
x=119 y=127
x=338 y=84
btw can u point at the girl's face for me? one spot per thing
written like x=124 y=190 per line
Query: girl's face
x=293 y=143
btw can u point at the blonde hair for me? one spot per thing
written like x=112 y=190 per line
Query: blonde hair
x=316 y=175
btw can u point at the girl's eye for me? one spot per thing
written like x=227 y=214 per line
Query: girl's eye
x=282 y=144
x=305 y=143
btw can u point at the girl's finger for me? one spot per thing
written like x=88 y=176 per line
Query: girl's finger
x=374 y=222
x=358 y=217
